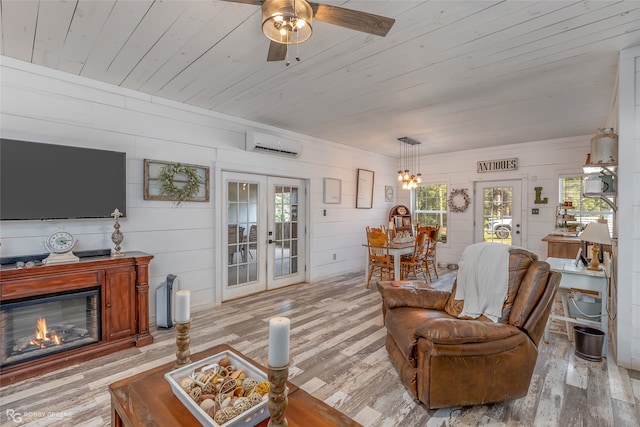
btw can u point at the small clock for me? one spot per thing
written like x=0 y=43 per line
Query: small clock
x=402 y=210
x=59 y=244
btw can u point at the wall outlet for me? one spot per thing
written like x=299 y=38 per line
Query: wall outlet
x=535 y=211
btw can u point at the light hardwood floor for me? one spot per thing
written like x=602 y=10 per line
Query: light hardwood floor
x=337 y=345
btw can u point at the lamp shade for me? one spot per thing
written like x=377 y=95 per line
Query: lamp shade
x=287 y=21
x=596 y=232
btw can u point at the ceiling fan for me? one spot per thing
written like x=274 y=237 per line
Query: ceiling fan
x=287 y=22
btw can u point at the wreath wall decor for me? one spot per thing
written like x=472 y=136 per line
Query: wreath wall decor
x=188 y=189
x=459 y=200
x=178 y=182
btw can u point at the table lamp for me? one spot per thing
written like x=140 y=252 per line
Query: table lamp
x=598 y=234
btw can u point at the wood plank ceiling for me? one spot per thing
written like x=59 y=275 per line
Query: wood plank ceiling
x=452 y=74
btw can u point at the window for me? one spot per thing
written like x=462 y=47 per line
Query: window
x=585 y=209
x=431 y=207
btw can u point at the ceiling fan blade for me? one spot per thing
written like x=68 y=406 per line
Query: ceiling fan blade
x=352 y=19
x=277 y=51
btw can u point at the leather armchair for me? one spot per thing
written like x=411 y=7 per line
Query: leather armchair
x=448 y=361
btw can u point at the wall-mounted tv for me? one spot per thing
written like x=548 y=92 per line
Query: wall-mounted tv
x=47 y=181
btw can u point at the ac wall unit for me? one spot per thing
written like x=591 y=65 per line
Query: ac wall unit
x=272 y=144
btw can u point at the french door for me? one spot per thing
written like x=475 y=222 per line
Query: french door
x=498 y=212
x=265 y=232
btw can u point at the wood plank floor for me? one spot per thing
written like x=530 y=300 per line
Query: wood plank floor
x=337 y=345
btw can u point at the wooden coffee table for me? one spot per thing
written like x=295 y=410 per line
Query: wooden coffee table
x=146 y=399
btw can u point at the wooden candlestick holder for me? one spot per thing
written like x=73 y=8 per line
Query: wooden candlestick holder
x=278 y=395
x=183 y=341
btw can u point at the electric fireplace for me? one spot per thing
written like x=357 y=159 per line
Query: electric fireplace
x=54 y=316
x=47 y=324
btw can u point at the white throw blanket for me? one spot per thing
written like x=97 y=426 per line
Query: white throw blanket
x=483 y=280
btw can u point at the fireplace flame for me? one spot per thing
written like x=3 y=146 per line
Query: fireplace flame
x=43 y=335
x=41 y=329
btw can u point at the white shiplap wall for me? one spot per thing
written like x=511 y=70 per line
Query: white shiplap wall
x=40 y=104
x=628 y=320
x=540 y=163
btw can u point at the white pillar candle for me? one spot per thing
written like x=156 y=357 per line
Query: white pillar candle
x=279 y=341
x=183 y=306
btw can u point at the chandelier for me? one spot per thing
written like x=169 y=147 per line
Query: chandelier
x=287 y=21
x=409 y=172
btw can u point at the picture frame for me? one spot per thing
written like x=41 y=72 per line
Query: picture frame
x=388 y=193
x=152 y=184
x=364 y=190
x=332 y=191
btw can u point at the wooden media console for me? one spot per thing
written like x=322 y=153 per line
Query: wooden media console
x=123 y=289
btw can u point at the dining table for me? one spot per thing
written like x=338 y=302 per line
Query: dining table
x=396 y=249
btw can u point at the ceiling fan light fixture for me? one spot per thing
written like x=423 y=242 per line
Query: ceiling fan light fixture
x=287 y=21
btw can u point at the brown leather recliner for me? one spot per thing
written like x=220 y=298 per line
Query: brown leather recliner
x=447 y=361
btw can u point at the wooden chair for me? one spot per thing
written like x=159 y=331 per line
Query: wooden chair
x=236 y=235
x=379 y=259
x=429 y=259
x=413 y=264
x=253 y=239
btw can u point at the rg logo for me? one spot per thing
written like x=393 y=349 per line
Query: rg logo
x=14 y=416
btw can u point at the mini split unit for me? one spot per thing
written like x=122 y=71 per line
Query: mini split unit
x=272 y=144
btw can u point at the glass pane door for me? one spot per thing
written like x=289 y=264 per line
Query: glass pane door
x=264 y=233
x=244 y=258
x=286 y=240
x=498 y=212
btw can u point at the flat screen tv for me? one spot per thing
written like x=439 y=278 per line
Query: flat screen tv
x=46 y=181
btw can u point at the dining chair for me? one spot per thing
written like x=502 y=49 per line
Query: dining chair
x=430 y=251
x=253 y=239
x=235 y=236
x=379 y=259
x=414 y=263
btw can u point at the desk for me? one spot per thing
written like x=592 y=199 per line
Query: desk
x=146 y=399
x=396 y=250
x=580 y=278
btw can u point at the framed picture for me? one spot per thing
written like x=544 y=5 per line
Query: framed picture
x=388 y=193
x=190 y=183
x=364 y=191
x=332 y=191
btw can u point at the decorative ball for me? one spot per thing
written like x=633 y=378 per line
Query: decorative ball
x=255 y=398
x=209 y=388
x=249 y=383
x=195 y=393
x=187 y=384
x=221 y=417
x=242 y=404
x=225 y=414
x=213 y=409
x=262 y=388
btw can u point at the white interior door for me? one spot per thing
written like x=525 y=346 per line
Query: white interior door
x=287 y=234
x=244 y=235
x=498 y=212
x=264 y=233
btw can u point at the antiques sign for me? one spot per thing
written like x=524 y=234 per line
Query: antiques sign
x=497 y=165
